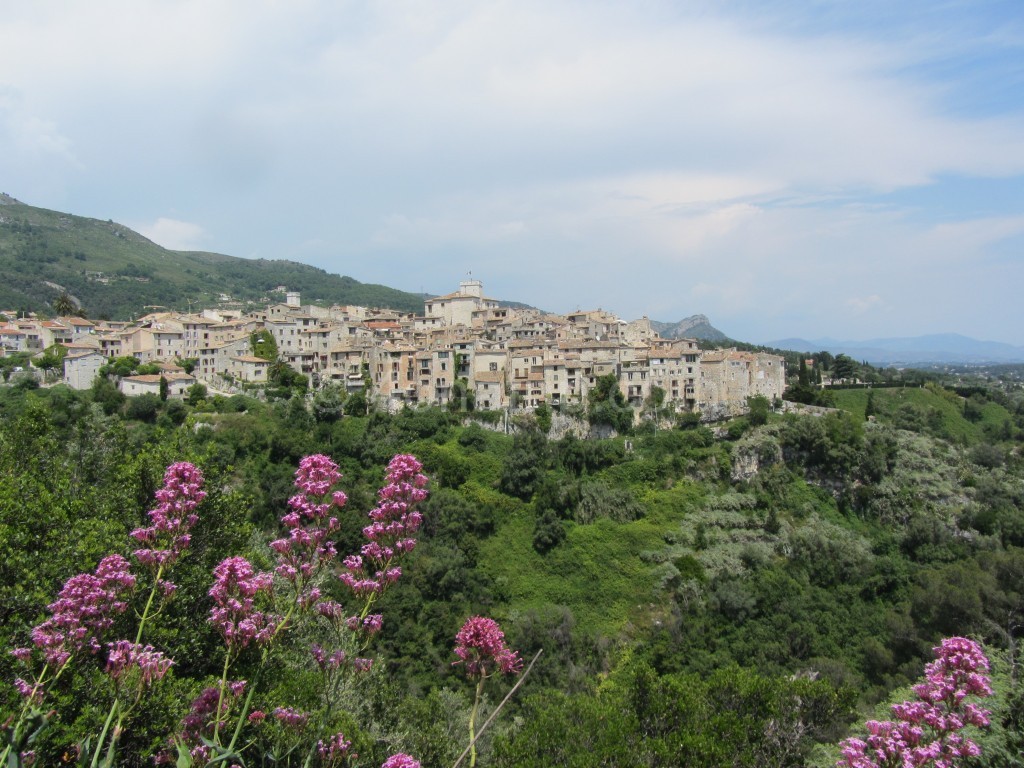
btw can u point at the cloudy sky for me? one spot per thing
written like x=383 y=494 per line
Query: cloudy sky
x=813 y=168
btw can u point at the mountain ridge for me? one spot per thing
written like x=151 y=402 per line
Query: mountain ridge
x=927 y=348
x=692 y=327
x=114 y=271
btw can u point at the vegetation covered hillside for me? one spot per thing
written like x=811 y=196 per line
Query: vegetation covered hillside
x=711 y=601
x=115 y=272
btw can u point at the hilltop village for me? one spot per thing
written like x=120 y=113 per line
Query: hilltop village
x=464 y=345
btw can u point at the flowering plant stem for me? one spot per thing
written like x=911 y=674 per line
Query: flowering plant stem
x=474 y=738
x=114 y=704
x=472 y=721
x=27 y=708
x=248 y=697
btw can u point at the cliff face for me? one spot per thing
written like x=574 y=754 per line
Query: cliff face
x=692 y=327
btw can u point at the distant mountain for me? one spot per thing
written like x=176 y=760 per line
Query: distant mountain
x=693 y=327
x=113 y=271
x=933 y=348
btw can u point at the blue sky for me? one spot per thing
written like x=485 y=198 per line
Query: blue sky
x=811 y=168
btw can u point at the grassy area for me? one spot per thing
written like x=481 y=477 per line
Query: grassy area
x=939 y=412
x=603 y=553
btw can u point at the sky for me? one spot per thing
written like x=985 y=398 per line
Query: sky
x=820 y=168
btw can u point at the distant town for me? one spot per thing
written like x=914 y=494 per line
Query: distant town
x=463 y=345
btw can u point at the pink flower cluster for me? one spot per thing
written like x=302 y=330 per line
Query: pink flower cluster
x=335 y=750
x=395 y=521
x=168 y=534
x=126 y=659
x=480 y=645
x=235 y=587
x=205 y=714
x=309 y=525
x=926 y=732
x=291 y=718
x=400 y=760
x=84 y=609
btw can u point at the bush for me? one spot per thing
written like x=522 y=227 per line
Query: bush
x=143 y=407
x=196 y=394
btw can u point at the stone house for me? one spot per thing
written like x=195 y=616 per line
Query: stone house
x=81 y=367
x=177 y=384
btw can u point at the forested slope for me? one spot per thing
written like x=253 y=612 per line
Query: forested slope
x=699 y=601
x=113 y=271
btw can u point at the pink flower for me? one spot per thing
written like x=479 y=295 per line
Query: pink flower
x=84 y=609
x=291 y=718
x=926 y=731
x=480 y=645
x=308 y=545
x=336 y=749
x=400 y=760
x=236 y=585
x=33 y=694
x=204 y=715
x=168 y=535
x=393 y=522
x=126 y=658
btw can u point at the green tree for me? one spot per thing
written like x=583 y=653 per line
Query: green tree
x=107 y=395
x=844 y=368
x=64 y=305
x=543 y=415
x=869 y=406
x=548 y=532
x=803 y=377
x=143 y=407
x=52 y=359
x=607 y=405
x=196 y=394
x=188 y=364
x=329 y=404
x=524 y=465
x=357 y=404
x=654 y=404
x=263 y=345
x=759 y=408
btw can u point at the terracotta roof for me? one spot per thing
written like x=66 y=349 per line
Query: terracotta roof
x=154 y=378
x=490 y=376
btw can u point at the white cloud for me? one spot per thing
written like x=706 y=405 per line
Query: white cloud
x=958 y=239
x=24 y=133
x=173 y=234
x=861 y=304
x=653 y=155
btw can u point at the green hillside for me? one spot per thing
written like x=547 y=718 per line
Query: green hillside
x=113 y=271
x=930 y=409
x=693 y=595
